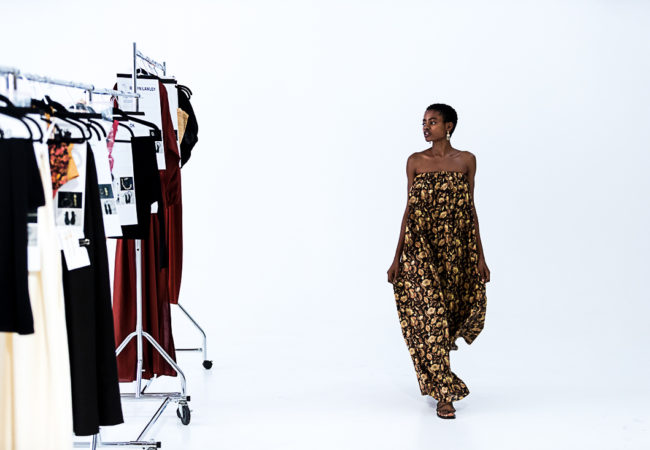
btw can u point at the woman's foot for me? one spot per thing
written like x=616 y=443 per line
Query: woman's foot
x=445 y=410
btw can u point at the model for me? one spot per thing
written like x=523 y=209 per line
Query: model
x=439 y=271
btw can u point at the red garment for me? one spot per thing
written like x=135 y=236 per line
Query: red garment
x=156 y=314
x=171 y=180
x=160 y=286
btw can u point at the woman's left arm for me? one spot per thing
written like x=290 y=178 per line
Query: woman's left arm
x=471 y=172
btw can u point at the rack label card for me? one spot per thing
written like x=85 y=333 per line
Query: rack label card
x=124 y=184
x=69 y=212
x=33 y=249
x=107 y=199
x=148 y=103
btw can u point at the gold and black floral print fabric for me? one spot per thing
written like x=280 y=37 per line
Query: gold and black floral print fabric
x=438 y=290
x=62 y=165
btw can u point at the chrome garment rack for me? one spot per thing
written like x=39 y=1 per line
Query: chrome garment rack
x=181 y=398
x=207 y=364
x=12 y=76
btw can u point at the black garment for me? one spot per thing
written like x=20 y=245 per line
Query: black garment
x=22 y=191
x=147 y=186
x=89 y=317
x=146 y=180
x=190 y=137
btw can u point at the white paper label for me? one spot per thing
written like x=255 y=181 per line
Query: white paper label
x=124 y=184
x=112 y=226
x=75 y=255
x=149 y=104
x=69 y=212
x=33 y=250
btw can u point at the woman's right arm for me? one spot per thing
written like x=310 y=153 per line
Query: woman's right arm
x=410 y=174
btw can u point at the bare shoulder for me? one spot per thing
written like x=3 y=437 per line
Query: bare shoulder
x=417 y=155
x=415 y=158
x=468 y=158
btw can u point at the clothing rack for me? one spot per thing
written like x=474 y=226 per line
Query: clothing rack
x=207 y=364
x=181 y=398
x=12 y=75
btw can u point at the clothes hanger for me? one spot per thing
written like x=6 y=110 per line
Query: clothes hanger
x=63 y=113
x=24 y=113
x=58 y=111
x=128 y=128
x=14 y=112
x=86 y=112
x=155 y=131
x=187 y=91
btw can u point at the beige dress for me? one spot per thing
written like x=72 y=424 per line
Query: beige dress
x=35 y=396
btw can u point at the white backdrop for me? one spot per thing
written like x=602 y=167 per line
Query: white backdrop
x=294 y=194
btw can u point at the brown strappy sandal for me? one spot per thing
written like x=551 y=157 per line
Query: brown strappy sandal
x=445 y=410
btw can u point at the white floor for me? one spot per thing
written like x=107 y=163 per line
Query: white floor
x=252 y=404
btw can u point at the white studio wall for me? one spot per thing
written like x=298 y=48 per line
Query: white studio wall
x=295 y=192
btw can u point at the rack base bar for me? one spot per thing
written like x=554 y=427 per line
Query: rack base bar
x=160 y=350
x=144 y=445
x=206 y=363
x=176 y=396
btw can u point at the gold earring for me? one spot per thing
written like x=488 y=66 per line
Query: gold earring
x=448 y=135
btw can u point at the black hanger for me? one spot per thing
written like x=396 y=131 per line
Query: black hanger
x=82 y=111
x=99 y=125
x=128 y=129
x=13 y=111
x=155 y=131
x=187 y=91
x=62 y=112
x=40 y=131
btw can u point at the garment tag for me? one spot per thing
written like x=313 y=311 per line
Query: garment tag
x=160 y=155
x=69 y=213
x=75 y=255
x=149 y=104
x=108 y=204
x=33 y=250
x=123 y=184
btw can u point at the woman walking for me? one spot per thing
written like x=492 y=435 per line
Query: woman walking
x=439 y=271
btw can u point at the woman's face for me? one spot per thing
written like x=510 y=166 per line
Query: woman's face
x=433 y=126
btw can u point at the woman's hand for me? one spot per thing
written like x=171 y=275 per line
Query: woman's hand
x=393 y=271
x=483 y=270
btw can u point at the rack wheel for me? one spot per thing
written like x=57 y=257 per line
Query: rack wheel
x=183 y=413
x=207 y=364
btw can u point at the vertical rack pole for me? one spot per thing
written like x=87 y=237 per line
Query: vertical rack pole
x=138 y=264
x=135 y=70
x=138 y=326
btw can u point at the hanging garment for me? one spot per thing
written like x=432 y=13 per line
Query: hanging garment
x=156 y=258
x=188 y=127
x=171 y=180
x=147 y=185
x=62 y=165
x=22 y=191
x=183 y=117
x=36 y=375
x=438 y=290
x=91 y=340
x=156 y=312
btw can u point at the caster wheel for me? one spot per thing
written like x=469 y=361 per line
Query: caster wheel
x=207 y=364
x=183 y=413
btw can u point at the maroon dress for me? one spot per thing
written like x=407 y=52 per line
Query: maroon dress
x=160 y=281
